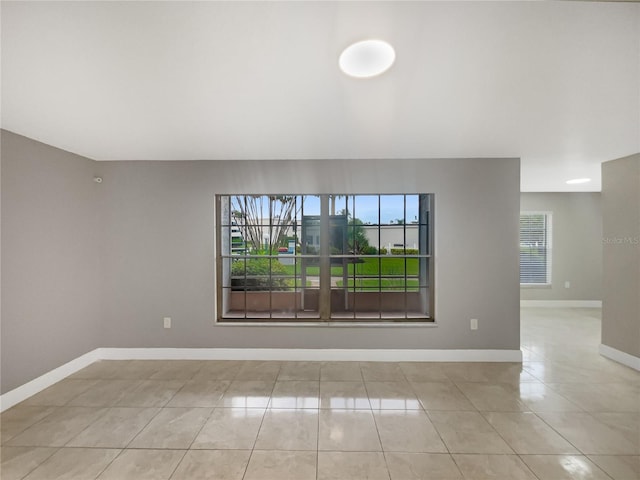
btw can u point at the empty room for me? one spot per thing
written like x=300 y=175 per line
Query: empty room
x=320 y=240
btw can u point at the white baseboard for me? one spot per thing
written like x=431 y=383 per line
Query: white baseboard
x=562 y=303
x=619 y=356
x=36 y=385
x=29 y=389
x=311 y=354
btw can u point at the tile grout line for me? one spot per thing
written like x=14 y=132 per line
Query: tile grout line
x=5 y=442
x=55 y=450
x=55 y=409
x=124 y=449
x=375 y=423
x=434 y=427
x=264 y=413
x=109 y=464
x=108 y=408
x=516 y=454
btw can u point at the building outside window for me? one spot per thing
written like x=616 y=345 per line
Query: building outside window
x=332 y=258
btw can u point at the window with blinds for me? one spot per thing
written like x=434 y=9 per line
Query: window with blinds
x=535 y=248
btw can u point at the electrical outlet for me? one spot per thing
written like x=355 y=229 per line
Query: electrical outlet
x=567 y=284
x=167 y=322
x=474 y=324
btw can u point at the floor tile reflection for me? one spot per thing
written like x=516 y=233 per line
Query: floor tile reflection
x=565 y=413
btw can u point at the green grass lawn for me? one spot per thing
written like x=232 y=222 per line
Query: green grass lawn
x=371 y=266
x=385 y=266
x=314 y=271
x=290 y=275
x=388 y=284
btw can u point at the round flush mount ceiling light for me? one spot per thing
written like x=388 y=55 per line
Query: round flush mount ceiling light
x=367 y=58
x=577 y=181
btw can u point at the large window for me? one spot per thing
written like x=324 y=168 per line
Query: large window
x=297 y=258
x=535 y=248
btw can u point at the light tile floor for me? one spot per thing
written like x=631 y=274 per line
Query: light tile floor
x=565 y=413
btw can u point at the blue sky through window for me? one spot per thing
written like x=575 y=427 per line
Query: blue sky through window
x=363 y=207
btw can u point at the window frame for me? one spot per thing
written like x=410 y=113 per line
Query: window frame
x=548 y=249
x=424 y=288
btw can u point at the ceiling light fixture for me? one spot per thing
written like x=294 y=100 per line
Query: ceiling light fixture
x=576 y=181
x=367 y=58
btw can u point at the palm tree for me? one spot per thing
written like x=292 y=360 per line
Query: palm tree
x=251 y=211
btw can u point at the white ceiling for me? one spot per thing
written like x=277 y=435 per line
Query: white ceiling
x=557 y=84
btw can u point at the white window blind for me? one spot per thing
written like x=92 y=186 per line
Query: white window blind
x=535 y=248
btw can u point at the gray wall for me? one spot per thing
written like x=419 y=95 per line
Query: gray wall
x=621 y=254
x=159 y=256
x=576 y=245
x=88 y=265
x=50 y=259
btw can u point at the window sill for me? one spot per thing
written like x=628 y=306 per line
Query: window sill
x=380 y=324
x=536 y=285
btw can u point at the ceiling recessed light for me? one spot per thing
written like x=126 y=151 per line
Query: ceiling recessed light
x=367 y=58
x=576 y=181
